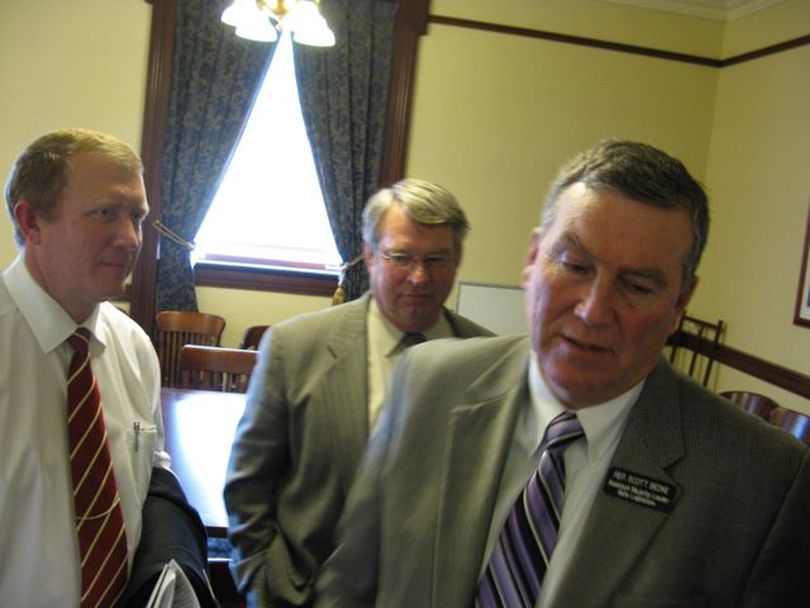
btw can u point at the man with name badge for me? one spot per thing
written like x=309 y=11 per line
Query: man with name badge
x=575 y=467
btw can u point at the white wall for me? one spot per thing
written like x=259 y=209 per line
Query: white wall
x=69 y=63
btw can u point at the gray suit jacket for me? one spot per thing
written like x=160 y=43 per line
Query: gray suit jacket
x=297 y=447
x=415 y=525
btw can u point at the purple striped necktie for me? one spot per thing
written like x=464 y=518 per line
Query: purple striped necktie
x=514 y=574
x=99 y=518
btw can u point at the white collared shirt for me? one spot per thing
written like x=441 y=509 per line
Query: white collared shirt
x=586 y=464
x=383 y=351
x=39 y=559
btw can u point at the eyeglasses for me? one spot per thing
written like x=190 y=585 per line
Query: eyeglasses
x=403 y=260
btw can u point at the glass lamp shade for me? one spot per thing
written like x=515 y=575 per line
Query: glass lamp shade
x=307 y=25
x=240 y=11
x=317 y=36
x=303 y=20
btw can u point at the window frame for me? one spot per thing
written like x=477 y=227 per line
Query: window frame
x=410 y=25
x=264 y=279
x=303 y=216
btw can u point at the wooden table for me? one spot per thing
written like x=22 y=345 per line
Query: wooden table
x=200 y=426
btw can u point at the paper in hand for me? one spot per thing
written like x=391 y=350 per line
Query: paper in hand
x=173 y=589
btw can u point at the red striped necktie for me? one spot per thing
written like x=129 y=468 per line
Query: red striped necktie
x=514 y=575
x=99 y=518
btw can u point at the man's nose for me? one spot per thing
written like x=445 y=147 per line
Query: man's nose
x=419 y=272
x=596 y=306
x=129 y=234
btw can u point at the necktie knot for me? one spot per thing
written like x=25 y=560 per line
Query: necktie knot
x=80 y=341
x=562 y=429
x=412 y=338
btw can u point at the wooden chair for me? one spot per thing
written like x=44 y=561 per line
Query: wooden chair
x=252 y=337
x=176 y=328
x=693 y=334
x=215 y=368
x=793 y=422
x=753 y=403
x=223 y=584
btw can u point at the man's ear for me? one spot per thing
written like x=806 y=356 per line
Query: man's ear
x=368 y=256
x=531 y=256
x=28 y=221
x=686 y=293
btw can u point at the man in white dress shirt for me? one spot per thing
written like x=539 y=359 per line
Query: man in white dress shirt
x=77 y=202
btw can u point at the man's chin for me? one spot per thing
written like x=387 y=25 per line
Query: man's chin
x=574 y=390
x=112 y=291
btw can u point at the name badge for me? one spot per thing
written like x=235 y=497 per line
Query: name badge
x=640 y=490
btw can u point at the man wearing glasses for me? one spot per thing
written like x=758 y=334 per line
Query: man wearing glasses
x=320 y=383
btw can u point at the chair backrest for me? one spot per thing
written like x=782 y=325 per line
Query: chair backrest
x=703 y=330
x=793 y=422
x=753 y=403
x=176 y=328
x=222 y=583
x=253 y=336
x=216 y=369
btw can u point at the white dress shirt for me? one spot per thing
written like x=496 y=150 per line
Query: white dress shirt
x=39 y=560
x=384 y=349
x=586 y=465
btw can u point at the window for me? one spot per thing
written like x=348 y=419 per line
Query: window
x=269 y=210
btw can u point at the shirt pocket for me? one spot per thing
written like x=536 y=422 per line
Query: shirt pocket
x=141 y=440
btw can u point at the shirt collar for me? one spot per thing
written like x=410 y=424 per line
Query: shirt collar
x=389 y=336
x=602 y=423
x=49 y=322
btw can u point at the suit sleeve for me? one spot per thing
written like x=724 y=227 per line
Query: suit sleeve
x=781 y=573
x=172 y=529
x=258 y=464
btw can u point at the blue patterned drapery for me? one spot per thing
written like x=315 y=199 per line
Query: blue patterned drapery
x=215 y=78
x=344 y=100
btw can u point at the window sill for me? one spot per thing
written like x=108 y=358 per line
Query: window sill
x=265 y=279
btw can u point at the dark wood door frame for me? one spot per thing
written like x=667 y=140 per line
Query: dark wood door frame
x=156 y=110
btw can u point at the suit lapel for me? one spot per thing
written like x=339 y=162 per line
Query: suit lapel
x=462 y=328
x=618 y=531
x=345 y=399
x=479 y=436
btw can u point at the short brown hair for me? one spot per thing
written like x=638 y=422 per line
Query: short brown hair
x=40 y=173
x=642 y=173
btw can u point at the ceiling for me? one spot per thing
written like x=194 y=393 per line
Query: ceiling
x=722 y=10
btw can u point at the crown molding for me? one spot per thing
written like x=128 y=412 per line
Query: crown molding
x=720 y=10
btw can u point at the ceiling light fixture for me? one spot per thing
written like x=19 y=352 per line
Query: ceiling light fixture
x=262 y=20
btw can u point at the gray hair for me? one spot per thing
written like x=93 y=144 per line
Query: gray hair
x=41 y=171
x=643 y=173
x=422 y=201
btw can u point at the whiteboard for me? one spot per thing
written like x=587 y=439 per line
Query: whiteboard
x=496 y=307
